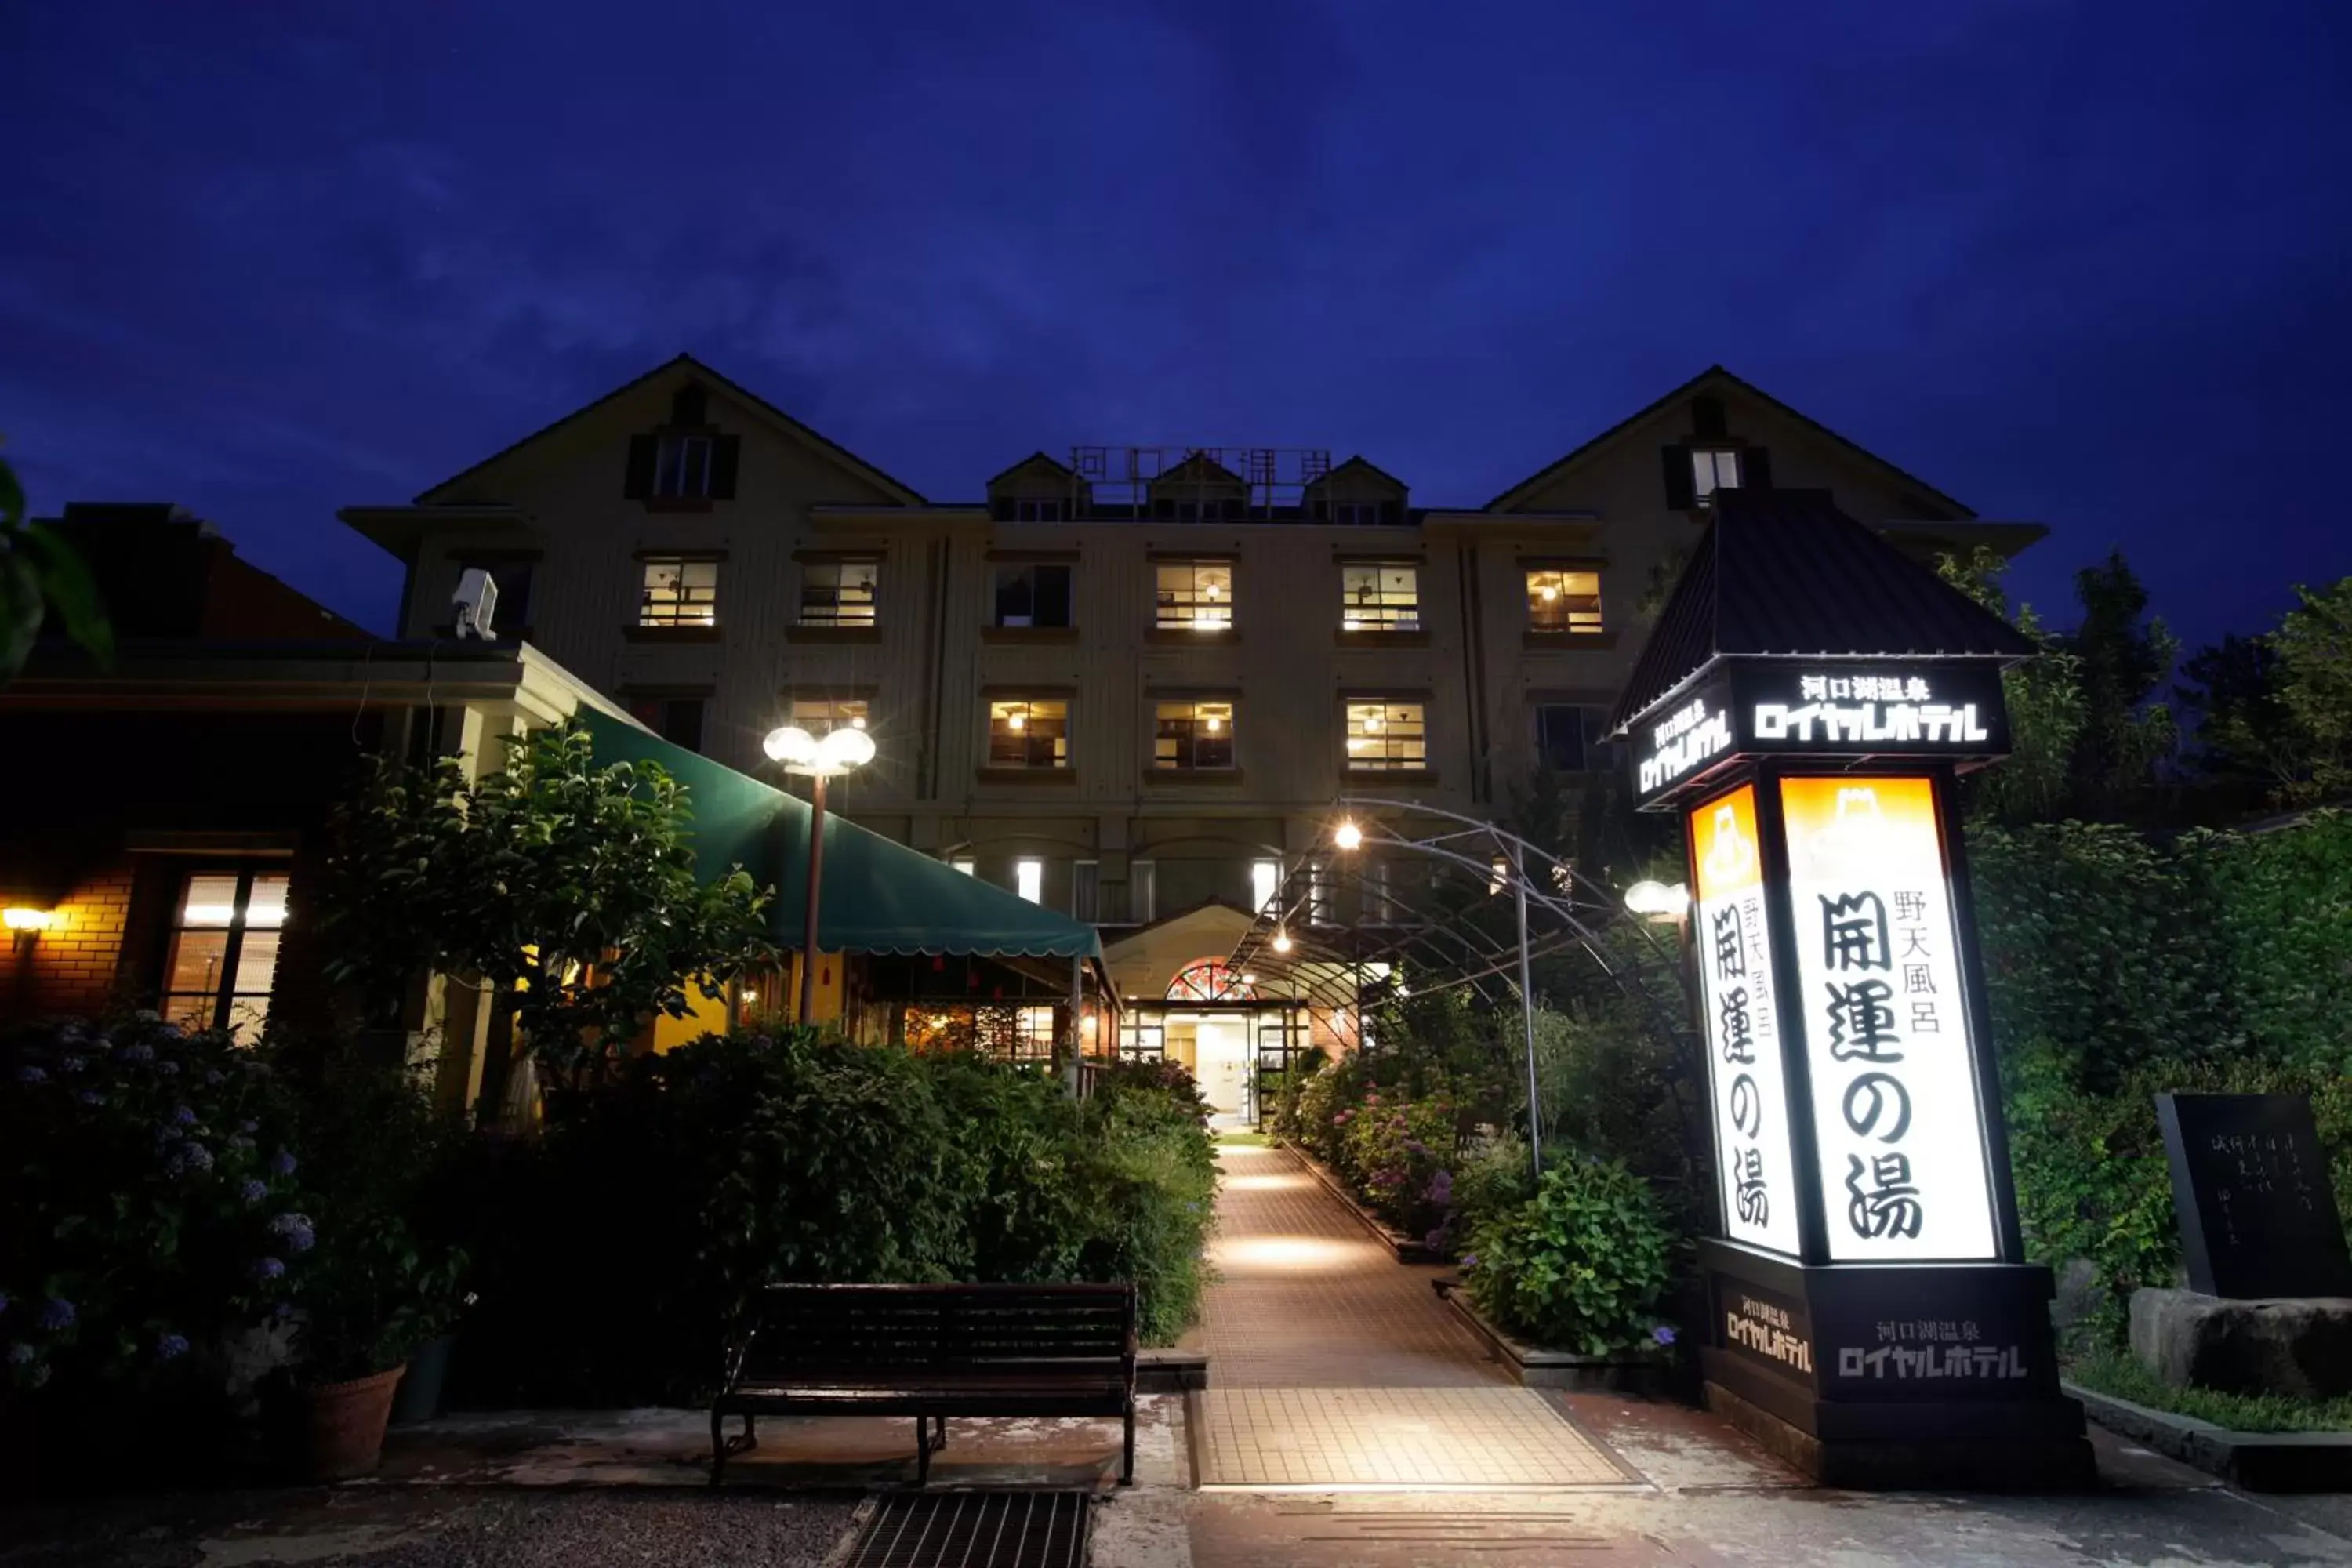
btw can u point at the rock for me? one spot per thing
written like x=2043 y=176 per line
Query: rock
x=2294 y=1345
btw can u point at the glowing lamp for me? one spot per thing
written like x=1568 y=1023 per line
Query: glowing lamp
x=1282 y=941
x=802 y=753
x=1657 y=902
x=1348 y=835
x=21 y=919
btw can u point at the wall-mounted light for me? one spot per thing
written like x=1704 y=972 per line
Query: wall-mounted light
x=20 y=918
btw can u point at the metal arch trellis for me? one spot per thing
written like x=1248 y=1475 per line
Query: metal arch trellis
x=1439 y=942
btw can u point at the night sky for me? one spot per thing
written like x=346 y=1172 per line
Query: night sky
x=2080 y=264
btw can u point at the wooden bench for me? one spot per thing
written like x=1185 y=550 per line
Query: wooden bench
x=931 y=1351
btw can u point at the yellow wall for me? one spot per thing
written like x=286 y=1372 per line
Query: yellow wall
x=707 y=1016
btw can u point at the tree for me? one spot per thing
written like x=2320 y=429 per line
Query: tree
x=2123 y=657
x=40 y=575
x=2314 y=648
x=569 y=887
x=2045 y=701
x=2245 y=743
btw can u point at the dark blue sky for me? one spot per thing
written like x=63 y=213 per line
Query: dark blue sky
x=2083 y=264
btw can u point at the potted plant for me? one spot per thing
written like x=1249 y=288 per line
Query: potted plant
x=420 y=1393
x=368 y=1298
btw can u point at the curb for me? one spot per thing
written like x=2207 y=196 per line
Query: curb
x=2257 y=1461
x=1402 y=1247
x=1170 y=1371
x=1536 y=1367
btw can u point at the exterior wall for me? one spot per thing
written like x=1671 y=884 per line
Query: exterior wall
x=930 y=665
x=71 y=966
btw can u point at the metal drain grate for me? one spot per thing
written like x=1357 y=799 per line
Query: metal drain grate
x=976 y=1530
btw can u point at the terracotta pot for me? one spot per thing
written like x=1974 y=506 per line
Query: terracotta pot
x=341 y=1425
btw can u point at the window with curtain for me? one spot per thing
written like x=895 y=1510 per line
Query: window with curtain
x=223 y=958
x=1195 y=596
x=680 y=593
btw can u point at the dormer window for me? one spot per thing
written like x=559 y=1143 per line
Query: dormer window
x=682 y=465
x=1040 y=509
x=1713 y=470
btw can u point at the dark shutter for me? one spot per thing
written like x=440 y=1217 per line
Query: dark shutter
x=724 y=451
x=638 y=483
x=690 y=406
x=1755 y=469
x=1681 y=492
x=1053 y=596
x=1707 y=418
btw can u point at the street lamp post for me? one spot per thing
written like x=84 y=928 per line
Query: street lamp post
x=816 y=760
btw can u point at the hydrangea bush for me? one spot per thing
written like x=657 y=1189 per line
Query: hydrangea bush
x=155 y=1209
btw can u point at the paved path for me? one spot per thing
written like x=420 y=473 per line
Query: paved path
x=1331 y=1363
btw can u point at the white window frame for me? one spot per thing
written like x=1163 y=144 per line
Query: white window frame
x=690 y=586
x=1709 y=469
x=830 y=598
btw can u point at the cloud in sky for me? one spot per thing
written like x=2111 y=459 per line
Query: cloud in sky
x=2073 y=263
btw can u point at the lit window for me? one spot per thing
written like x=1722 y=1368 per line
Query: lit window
x=1379 y=598
x=839 y=592
x=821 y=716
x=1563 y=601
x=1029 y=879
x=680 y=593
x=1029 y=734
x=1196 y=595
x=1265 y=881
x=1713 y=471
x=682 y=465
x=223 y=953
x=1386 y=735
x=1193 y=735
x=1032 y=595
x=678 y=720
x=966 y=865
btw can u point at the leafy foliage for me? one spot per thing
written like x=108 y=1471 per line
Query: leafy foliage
x=2314 y=645
x=40 y=575
x=2111 y=1372
x=570 y=885
x=148 y=1175
x=1583 y=1266
x=665 y=1200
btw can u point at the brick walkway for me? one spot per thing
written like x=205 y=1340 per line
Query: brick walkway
x=1331 y=1363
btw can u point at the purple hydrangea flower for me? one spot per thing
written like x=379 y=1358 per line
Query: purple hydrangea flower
x=58 y=1315
x=73 y=1064
x=91 y=1097
x=189 y=1159
x=268 y=1268
x=138 y=1051
x=170 y=1031
x=184 y=1115
x=252 y=1192
x=294 y=1231
x=169 y=1069
x=171 y=1347
x=1663 y=1335
x=29 y=1073
x=282 y=1163
x=1469 y=1260
x=21 y=1354
x=248 y=1125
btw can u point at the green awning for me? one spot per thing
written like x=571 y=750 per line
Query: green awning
x=878 y=895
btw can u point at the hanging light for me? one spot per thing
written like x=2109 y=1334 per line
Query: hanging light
x=1348 y=835
x=1017 y=719
x=1281 y=940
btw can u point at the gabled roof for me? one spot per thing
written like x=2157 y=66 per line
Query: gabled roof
x=1784 y=572
x=1361 y=463
x=1198 y=466
x=1715 y=375
x=906 y=494
x=1031 y=461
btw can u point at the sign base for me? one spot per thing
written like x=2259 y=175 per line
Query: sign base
x=1893 y=1375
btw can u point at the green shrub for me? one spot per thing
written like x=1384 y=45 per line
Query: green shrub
x=1493 y=1176
x=148 y=1201
x=1394 y=1153
x=1583 y=1266
x=666 y=1200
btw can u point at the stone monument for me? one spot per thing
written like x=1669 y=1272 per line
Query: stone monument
x=2269 y=1304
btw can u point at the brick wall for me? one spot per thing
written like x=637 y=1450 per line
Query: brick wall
x=71 y=966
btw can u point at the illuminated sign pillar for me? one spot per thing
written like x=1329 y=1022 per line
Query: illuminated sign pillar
x=1873 y=1317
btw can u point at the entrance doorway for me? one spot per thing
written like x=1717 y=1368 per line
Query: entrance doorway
x=1215 y=1044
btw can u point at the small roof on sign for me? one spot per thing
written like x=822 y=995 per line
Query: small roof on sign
x=1785 y=574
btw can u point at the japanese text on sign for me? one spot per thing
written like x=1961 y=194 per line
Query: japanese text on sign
x=1750 y=1096
x=1896 y=1117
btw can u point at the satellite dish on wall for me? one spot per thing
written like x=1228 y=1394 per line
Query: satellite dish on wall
x=475 y=604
